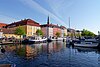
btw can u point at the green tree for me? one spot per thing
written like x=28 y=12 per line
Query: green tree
x=39 y=32
x=20 y=31
x=87 y=33
x=58 y=34
x=64 y=34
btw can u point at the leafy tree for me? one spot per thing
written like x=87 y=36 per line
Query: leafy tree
x=39 y=32
x=64 y=34
x=77 y=35
x=87 y=33
x=20 y=31
x=58 y=34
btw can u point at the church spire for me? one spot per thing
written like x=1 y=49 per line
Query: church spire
x=48 y=20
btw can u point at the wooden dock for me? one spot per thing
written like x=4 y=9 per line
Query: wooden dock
x=5 y=43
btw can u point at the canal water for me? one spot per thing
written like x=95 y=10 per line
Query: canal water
x=54 y=54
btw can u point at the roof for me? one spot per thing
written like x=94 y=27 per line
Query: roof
x=70 y=30
x=8 y=31
x=63 y=27
x=50 y=25
x=2 y=24
x=78 y=31
x=23 y=22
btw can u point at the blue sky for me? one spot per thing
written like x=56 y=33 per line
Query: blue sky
x=84 y=14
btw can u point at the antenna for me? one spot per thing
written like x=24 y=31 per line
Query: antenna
x=69 y=22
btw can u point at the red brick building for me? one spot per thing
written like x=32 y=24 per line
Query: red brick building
x=56 y=29
x=53 y=29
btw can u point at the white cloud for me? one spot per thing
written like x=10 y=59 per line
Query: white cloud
x=32 y=4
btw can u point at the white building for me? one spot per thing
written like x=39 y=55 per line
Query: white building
x=47 y=31
x=63 y=31
x=1 y=33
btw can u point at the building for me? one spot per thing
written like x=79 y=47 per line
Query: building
x=2 y=25
x=50 y=30
x=63 y=31
x=77 y=33
x=56 y=29
x=29 y=25
x=1 y=31
x=47 y=29
x=71 y=32
x=9 y=32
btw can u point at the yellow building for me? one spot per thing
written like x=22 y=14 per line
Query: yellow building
x=29 y=25
x=9 y=33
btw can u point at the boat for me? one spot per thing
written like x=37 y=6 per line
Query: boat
x=81 y=49
x=39 y=40
x=58 y=39
x=86 y=44
x=31 y=41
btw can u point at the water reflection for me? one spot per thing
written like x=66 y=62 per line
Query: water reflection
x=54 y=54
x=33 y=50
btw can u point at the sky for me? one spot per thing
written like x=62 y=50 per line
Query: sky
x=84 y=14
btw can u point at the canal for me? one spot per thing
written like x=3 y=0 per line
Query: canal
x=54 y=54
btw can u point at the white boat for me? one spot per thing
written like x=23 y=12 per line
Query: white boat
x=86 y=44
x=39 y=40
x=90 y=40
x=58 y=39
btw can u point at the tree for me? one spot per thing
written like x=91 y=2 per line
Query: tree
x=20 y=31
x=58 y=34
x=39 y=32
x=87 y=33
x=64 y=34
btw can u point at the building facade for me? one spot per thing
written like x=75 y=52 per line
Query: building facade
x=50 y=30
x=63 y=31
x=1 y=33
x=56 y=29
x=47 y=30
x=29 y=25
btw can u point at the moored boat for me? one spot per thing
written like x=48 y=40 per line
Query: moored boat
x=86 y=44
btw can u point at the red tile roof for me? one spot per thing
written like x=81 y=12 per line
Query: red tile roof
x=2 y=24
x=8 y=31
x=23 y=22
